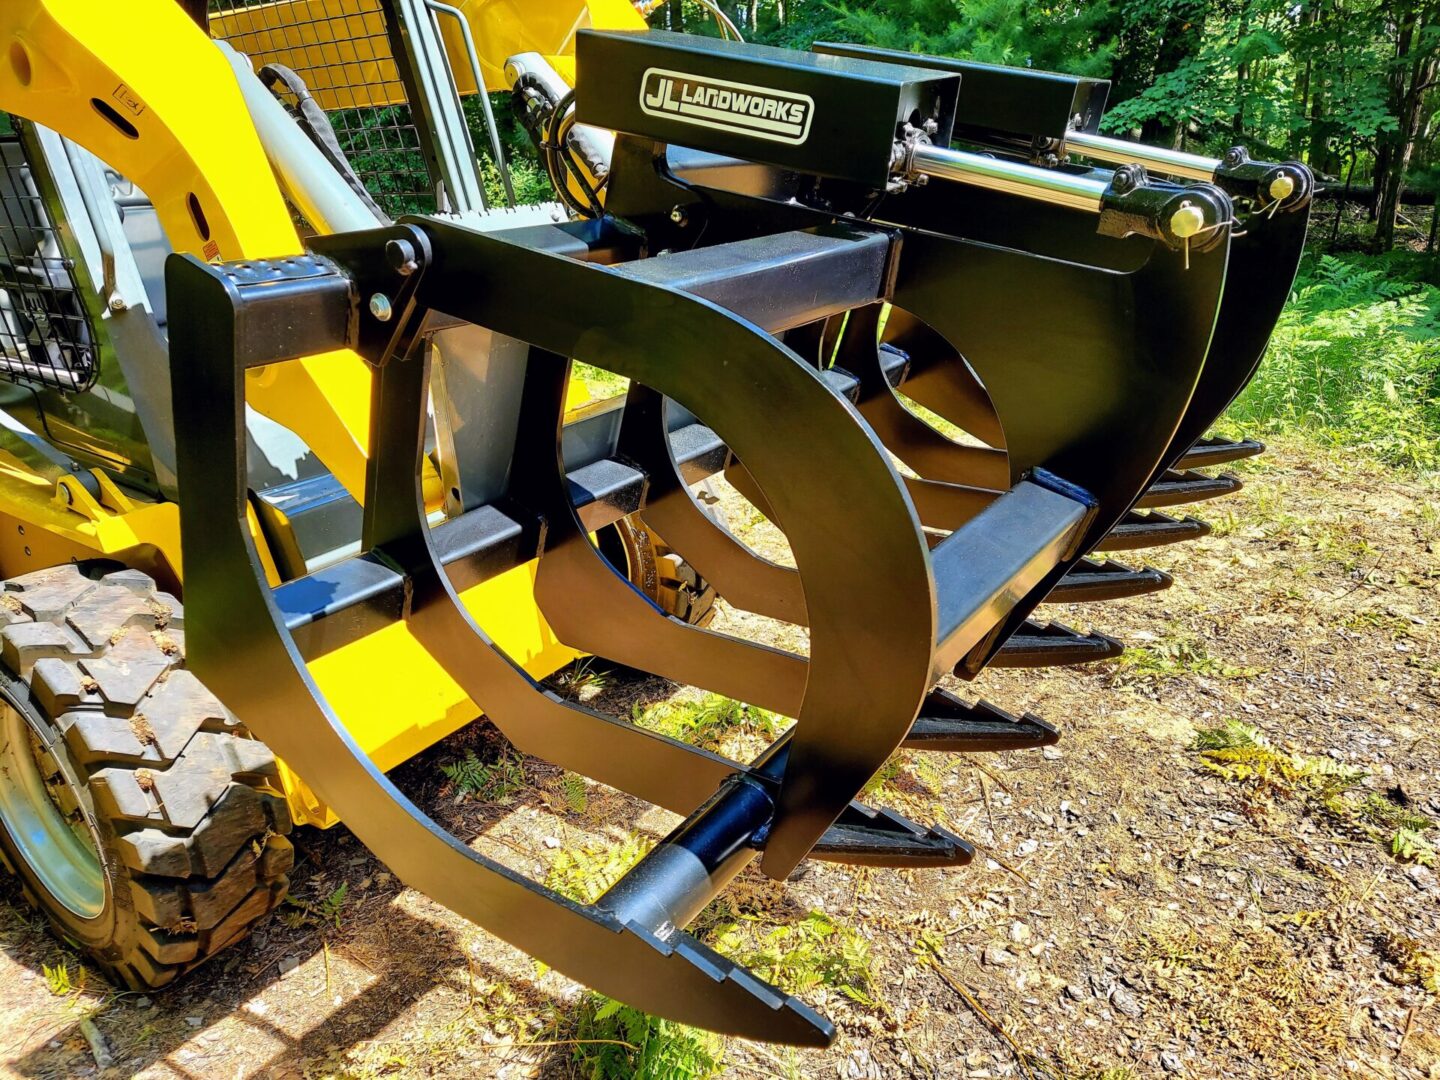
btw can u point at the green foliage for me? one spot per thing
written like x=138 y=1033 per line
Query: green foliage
x=583 y=874
x=493 y=781
x=1408 y=845
x=1241 y=753
x=1238 y=751
x=708 y=721
x=328 y=911
x=1355 y=360
x=1170 y=658
x=577 y=794
x=60 y=982
x=579 y=678
x=616 y=1042
x=801 y=957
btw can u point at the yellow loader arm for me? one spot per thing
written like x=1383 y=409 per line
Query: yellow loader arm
x=81 y=68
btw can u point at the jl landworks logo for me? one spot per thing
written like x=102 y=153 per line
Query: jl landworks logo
x=756 y=111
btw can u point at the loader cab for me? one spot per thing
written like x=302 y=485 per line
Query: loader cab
x=84 y=365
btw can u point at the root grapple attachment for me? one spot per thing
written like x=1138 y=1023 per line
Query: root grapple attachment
x=769 y=269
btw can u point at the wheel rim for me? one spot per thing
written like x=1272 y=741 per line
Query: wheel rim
x=62 y=854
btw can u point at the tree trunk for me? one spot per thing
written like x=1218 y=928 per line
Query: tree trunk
x=1340 y=206
x=1242 y=75
x=1308 y=17
x=1414 y=74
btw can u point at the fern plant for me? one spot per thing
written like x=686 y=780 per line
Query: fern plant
x=493 y=781
x=615 y=1042
x=1355 y=359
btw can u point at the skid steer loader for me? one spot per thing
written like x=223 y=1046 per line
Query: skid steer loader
x=387 y=513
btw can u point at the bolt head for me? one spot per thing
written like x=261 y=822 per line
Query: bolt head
x=381 y=308
x=679 y=215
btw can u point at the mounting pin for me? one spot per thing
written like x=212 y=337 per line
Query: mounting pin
x=1188 y=221
x=1282 y=187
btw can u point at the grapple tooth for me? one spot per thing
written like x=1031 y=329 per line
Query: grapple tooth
x=1175 y=488
x=1053 y=645
x=798 y=1024
x=1090 y=581
x=1153 y=529
x=949 y=723
x=866 y=837
x=1210 y=451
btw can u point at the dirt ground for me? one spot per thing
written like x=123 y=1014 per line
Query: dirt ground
x=1139 y=905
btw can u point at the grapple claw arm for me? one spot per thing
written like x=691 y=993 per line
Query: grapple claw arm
x=238 y=639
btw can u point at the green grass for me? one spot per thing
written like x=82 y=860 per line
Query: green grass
x=1355 y=360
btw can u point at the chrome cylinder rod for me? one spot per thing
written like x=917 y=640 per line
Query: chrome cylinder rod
x=1124 y=152
x=997 y=174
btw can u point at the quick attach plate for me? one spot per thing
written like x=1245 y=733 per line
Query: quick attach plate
x=821 y=115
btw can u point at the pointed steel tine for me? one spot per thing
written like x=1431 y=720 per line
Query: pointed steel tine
x=1212 y=451
x=1176 y=488
x=1054 y=644
x=1090 y=581
x=948 y=723
x=1153 y=529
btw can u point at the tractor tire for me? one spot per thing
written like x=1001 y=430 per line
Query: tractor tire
x=657 y=571
x=139 y=815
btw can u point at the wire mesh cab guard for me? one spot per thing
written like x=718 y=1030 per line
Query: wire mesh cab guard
x=47 y=338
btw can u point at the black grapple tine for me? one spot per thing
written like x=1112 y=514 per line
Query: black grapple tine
x=948 y=723
x=1090 y=581
x=866 y=837
x=1053 y=644
x=1177 y=488
x=1214 y=451
x=1145 y=529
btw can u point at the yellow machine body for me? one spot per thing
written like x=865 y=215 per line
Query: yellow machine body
x=81 y=69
